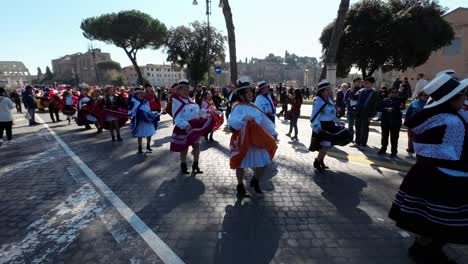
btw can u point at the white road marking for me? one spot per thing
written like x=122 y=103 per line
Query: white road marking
x=58 y=229
x=20 y=120
x=154 y=242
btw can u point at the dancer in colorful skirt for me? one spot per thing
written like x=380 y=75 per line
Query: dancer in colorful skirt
x=432 y=201
x=264 y=100
x=217 y=115
x=69 y=103
x=253 y=143
x=328 y=130
x=115 y=112
x=144 y=121
x=191 y=123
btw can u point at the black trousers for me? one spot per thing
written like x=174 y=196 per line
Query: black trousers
x=362 y=124
x=284 y=108
x=6 y=126
x=52 y=111
x=394 y=133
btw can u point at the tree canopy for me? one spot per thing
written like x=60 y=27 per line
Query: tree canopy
x=130 y=30
x=393 y=35
x=108 y=65
x=195 y=47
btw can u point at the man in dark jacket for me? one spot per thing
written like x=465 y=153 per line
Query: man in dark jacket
x=29 y=101
x=367 y=106
x=283 y=100
x=391 y=121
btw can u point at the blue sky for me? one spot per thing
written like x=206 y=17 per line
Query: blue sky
x=39 y=31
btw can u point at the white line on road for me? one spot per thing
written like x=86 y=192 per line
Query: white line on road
x=56 y=230
x=154 y=242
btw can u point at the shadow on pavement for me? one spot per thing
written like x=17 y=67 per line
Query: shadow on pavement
x=344 y=192
x=248 y=235
x=170 y=195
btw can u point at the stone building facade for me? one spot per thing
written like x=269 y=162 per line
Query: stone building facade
x=14 y=74
x=80 y=65
x=161 y=75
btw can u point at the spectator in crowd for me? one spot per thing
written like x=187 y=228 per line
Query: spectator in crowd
x=368 y=103
x=415 y=107
x=391 y=121
x=396 y=83
x=283 y=100
x=29 y=101
x=296 y=102
x=404 y=91
x=16 y=98
x=384 y=92
x=419 y=86
x=307 y=93
x=351 y=104
x=6 y=116
x=341 y=100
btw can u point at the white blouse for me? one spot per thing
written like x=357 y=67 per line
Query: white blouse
x=190 y=111
x=240 y=111
x=327 y=114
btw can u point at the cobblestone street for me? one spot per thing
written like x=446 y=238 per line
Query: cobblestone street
x=53 y=211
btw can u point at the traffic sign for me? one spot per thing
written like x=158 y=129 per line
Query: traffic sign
x=218 y=69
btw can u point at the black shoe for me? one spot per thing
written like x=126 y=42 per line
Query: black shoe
x=211 y=138
x=256 y=185
x=183 y=168
x=119 y=138
x=322 y=164
x=148 y=148
x=140 y=150
x=53 y=121
x=381 y=152
x=113 y=139
x=241 y=190
x=59 y=120
x=295 y=138
x=393 y=155
x=87 y=127
x=99 y=131
x=318 y=165
x=195 y=168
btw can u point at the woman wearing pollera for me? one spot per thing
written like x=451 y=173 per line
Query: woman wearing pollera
x=144 y=120
x=191 y=123
x=217 y=115
x=327 y=128
x=115 y=112
x=253 y=142
x=432 y=201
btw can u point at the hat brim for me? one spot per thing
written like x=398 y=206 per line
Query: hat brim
x=241 y=88
x=138 y=91
x=431 y=103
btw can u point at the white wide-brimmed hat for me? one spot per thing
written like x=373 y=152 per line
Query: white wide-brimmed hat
x=138 y=90
x=450 y=72
x=261 y=85
x=242 y=83
x=323 y=84
x=442 y=88
x=183 y=83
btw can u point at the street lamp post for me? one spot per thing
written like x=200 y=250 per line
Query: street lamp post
x=208 y=13
x=307 y=77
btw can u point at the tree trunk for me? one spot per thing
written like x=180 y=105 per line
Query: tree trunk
x=231 y=39
x=335 y=39
x=132 y=58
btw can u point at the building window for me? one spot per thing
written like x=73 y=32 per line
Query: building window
x=454 y=48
